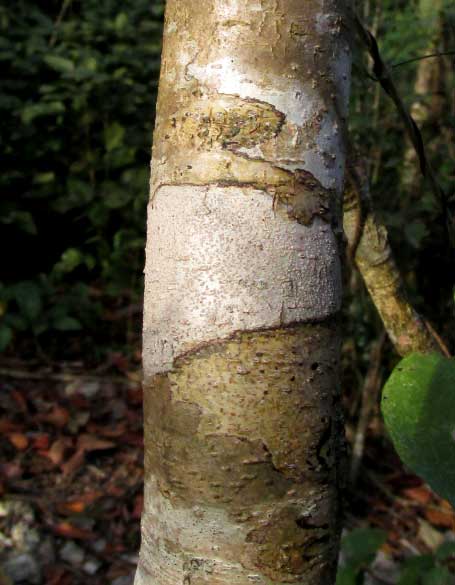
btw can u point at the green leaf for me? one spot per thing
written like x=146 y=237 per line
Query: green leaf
x=114 y=196
x=78 y=194
x=445 y=551
x=120 y=157
x=437 y=576
x=29 y=113
x=361 y=545
x=121 y=21
x=6 y=336
x=66 y=323
x=16 y=321
x=419 y=411
x=28 y=298
x=60 y=64
x=415 y=233
x=23 y=219
x=414 y=568
x=69 y=260
x=25 y=222
x=347 y=576
x=113 y=136
x=43 y=178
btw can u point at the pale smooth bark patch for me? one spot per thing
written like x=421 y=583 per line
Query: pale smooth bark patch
x=233 y=264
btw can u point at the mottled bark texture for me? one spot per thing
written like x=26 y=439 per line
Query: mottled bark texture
x=369 y=244
x=243 y=288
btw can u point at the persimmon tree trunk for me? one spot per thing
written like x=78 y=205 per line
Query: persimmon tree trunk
x=243 y=288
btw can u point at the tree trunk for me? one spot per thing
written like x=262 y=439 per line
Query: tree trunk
x=241 y=342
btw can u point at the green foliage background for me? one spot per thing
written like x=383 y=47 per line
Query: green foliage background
x=76 y=117
x=76 y=109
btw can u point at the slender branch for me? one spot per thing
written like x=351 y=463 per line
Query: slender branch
x=64 y=9
x=370 y=393
x=382 y=74
x=413 y=60
x=370 y=249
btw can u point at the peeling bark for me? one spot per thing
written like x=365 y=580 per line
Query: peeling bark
x=241 y=345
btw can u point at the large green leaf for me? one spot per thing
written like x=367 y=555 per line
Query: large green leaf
x=60 y=64
x=6 y=335
x=361 y=545
x=438 y=576
x=28 y=298
x=113 y=136
x=413 y=569
x=32 y=111
x=348 y=576
x=66 y=323
x=418 y=404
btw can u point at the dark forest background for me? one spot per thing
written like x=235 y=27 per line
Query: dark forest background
x=77 y=98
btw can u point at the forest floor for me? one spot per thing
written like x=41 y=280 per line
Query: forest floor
x=71 y=476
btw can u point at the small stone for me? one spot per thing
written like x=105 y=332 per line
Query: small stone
x=30 y=539
x=385 y=569
x=99 y=545
x=22 y=568
x=5 y=541
x=72 y=553
x=80 y=419
x=90 y=389
x=431 y=537
x=4 y=508
x=91 y=566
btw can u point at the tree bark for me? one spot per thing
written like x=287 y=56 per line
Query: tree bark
x=370 y=248
x=243 y=431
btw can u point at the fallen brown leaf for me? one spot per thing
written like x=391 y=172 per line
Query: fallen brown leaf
x=41 y=441
x=85 y=444
x=440 y=518
x=57 y=451
x=8 y=426
x=88 y=442
x=420 y=494
x=78 y=504
x=67 y=530
x=58 y=417
x=73 y=507
x=18 y=440
x=446 y=505
x=138 y=505
x=111 y=432
x=73 y=463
